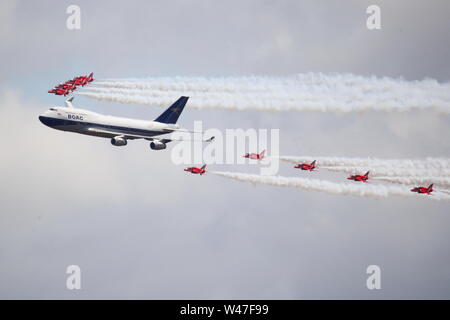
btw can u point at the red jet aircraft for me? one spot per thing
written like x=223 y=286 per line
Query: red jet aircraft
x=359 y=177
x=83 y=80
x=426 y=190
x=71 y=85
x=68 y=86
x=63 y=89
x=255 y=156
x=306 y=166
x=59 y=91
x=195 y=170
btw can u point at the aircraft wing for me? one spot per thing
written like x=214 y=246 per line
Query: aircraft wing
x=181 y=130
x=136 y=136
x=124 y=135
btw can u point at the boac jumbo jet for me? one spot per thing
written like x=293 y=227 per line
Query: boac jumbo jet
x=119 y=130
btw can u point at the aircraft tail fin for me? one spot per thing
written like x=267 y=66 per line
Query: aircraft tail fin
x=173 y=112
x=69 y=103
x=203 y=167
x=367 y=174
x=430 y=187
x=313 y=163
x=262 y=153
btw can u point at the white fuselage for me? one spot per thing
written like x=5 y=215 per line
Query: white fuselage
x=94 y=124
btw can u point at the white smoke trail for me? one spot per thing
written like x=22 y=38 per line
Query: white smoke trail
x=233 y=103
x=266 y=95
x=391 y=171
x=361 y=190
x=309 y=81
x=418 y=181
x=274 y=103
x=427 y=163
x=303 y=92
x=197 y=84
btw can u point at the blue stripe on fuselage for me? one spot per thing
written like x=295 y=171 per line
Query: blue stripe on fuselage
x=65 y=125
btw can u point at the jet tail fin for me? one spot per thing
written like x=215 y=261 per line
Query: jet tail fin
x=367 y=173
x=262 y=153
x=69 y=103
x=203 y=167
x=313 y=163
x=173 y=112
x=430 y=187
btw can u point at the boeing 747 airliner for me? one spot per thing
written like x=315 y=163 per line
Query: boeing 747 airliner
x=119 y=130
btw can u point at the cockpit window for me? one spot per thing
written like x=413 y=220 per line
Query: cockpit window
x=53 y=109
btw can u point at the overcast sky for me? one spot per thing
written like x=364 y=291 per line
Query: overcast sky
x=139 y=227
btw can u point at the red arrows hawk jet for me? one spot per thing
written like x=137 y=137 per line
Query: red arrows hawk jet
x=255 y=156
x=60 y=91
x=67 y=86
x=426 y=190
x=63 y=89
x=195 y=170
x=83 y=80
x=306 y=166
x=358 y=177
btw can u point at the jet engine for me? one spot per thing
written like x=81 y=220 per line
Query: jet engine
x=118 y=141
x=157 y=145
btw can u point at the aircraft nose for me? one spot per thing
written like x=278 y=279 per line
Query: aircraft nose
x=45 y=120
